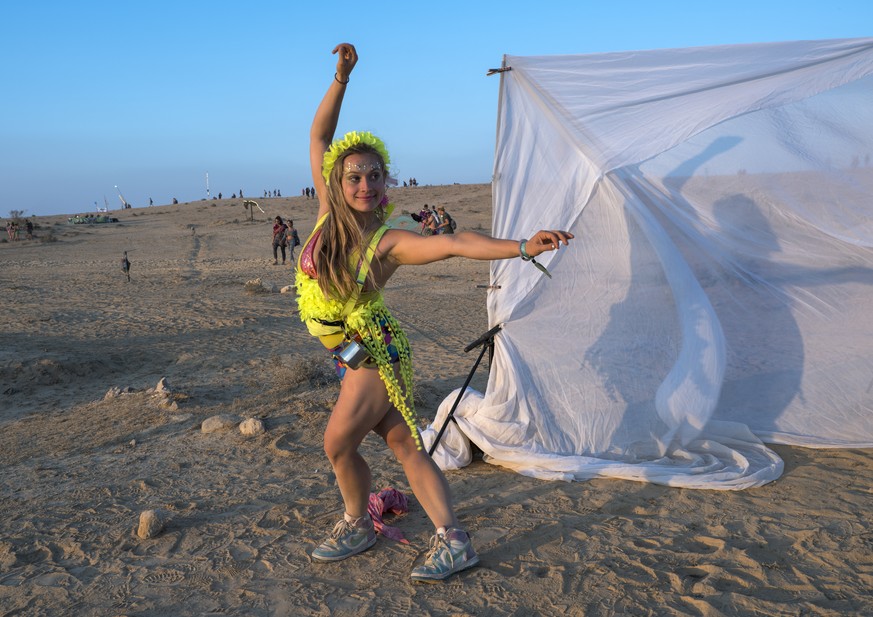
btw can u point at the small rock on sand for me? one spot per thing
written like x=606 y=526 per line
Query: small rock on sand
x=151 y=523
x=219 y=423
x=252 y=426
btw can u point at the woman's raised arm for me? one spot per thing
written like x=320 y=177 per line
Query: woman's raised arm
x=327 y=117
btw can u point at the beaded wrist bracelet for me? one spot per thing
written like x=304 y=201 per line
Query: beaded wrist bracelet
x=522 y=249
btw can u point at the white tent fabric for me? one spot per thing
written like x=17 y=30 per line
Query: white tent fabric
x=718 y=290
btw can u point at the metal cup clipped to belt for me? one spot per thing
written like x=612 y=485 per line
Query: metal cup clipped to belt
x=353 y=354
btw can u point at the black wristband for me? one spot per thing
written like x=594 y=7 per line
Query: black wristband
x=338 y=80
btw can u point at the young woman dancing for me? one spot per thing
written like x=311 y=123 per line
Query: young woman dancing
x=341 y=271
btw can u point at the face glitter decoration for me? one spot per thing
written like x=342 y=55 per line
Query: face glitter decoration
x=363 y=168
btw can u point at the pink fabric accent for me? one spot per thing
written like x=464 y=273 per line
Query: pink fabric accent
x=388 y=500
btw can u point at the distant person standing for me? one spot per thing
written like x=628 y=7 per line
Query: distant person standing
x=280 y=239
x=293 y=240
x=428 y=222
x=28 y=229
x=125 y=266
x=447 y=224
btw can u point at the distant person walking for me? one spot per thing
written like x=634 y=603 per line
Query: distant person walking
x=125 y=266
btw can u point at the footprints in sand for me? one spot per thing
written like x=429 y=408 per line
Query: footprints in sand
x=192 y=271
x=164 y=577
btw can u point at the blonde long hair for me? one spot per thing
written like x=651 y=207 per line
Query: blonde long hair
x=342 y=239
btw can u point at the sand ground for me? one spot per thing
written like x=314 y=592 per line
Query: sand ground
x=243 y=513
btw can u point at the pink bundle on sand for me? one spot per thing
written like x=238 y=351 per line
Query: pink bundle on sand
x=388 y=500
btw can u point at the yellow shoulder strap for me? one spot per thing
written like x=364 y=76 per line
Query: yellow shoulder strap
x=364 y=268
x=371 y=252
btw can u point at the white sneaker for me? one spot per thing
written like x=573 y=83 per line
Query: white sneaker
x=449 y=553
x=345 y=540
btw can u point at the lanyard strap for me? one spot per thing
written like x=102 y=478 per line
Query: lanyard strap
x=364 y=269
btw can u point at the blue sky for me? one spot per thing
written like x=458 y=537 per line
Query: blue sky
x=151 y=96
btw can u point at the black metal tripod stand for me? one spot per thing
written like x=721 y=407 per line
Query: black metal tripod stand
x=487 y=343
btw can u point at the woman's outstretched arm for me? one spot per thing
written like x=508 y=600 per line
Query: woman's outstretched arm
x=407 y=248
x=327 y=117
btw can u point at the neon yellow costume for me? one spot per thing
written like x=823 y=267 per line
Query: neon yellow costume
x=335 y=320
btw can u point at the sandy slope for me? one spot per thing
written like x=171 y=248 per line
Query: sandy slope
x=244 y=512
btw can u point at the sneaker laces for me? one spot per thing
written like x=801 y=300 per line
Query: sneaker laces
x=342 y=528
x=436 y=543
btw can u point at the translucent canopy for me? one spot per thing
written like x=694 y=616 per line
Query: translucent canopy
x=718 y=292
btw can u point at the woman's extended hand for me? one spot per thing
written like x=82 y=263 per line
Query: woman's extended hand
x=547 y=240
x=346 y=60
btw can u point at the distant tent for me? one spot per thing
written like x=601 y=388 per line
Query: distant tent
x=719 y=290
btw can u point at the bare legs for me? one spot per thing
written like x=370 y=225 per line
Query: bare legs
x=426 y=479
x=363 y=406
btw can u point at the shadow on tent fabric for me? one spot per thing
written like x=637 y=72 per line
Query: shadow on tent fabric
x=656 y=342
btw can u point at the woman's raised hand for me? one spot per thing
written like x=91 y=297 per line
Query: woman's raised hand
x=547 y=240
x=347 y=57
